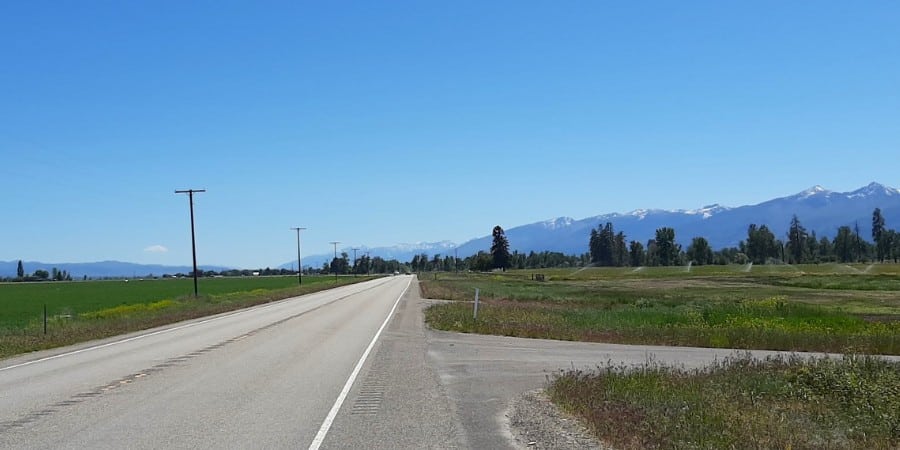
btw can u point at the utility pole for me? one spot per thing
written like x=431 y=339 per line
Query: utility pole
x=456 y=259
x=190 y=193
x=354 y=261
x=335 y=244
x=299 y=261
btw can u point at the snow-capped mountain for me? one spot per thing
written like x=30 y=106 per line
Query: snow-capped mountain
x=818 y=209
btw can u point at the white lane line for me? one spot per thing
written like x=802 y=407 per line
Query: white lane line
x=155 y=333
x=326 y=425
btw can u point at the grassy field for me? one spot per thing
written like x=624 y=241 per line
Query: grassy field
x=80 y=311
x=790 y=403
x=787 y=403
x=834 y=308
x=22 y=303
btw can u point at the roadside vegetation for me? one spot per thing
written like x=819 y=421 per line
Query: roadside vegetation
x=83 y=311
x=792 y=308
x=785 y=402
x=790 y=402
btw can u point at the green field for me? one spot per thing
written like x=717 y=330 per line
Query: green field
x=803 y=308
x=21 y=303
x=84 y=310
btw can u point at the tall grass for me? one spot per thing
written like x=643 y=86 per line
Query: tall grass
x=785 y=402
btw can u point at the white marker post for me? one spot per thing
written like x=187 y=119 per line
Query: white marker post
x=476 y=304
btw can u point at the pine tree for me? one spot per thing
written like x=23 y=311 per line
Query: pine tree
x=882 y=246
x=20 y=270
x=500 y=249
x=796 y=241
x=636 y=254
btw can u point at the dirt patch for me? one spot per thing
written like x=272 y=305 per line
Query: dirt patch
x=681 y=283
x=536 y=423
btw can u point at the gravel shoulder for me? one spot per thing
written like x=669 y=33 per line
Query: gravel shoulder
x=537 y=423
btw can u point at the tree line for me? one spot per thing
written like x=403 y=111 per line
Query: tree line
x=364 y=265
x=38 y=275
x=608 y=248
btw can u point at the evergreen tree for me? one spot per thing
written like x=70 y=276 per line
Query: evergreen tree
x=826 y=249
x=812 y=248
x=882 y=246
x=621 y=250
x=860 y=247
x=636 y=254
x=603 y=245
x=500 y=249
x=20 y=270
x=844 y=244
x=796 y=241
x=652 y=254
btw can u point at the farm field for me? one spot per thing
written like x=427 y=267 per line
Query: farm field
x=827 y=307
x=84 y=310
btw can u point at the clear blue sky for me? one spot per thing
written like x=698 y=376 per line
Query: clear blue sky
x=375 y=123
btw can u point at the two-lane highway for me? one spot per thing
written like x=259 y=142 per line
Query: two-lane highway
x=264 y=377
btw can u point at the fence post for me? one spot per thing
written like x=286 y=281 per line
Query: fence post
x=45 y=318
x=476 y=304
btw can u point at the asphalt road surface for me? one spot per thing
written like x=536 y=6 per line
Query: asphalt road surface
x=265 y=377
x=353 y=367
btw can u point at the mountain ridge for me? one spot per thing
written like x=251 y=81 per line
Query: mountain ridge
x=820 y=210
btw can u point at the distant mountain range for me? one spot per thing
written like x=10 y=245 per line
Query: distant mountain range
x=100 y=269
x=818 y=209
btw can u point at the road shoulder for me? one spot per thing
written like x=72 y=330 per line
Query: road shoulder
x=398 y=401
